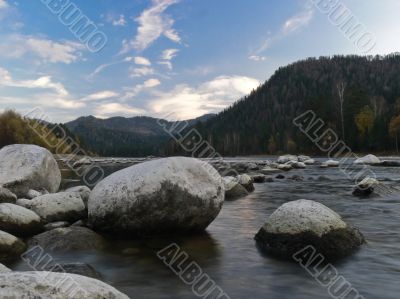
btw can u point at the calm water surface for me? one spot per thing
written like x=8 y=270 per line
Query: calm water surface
x=227 y=252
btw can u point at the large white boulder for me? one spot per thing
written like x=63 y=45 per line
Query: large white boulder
x=33 y=285
x=24 y=167
x=4 y=269
x=63 y=206
x=301 y=223
x=368 y=160
x=161 y=196
x=286 y=158
x=19 y=221
x=10 y=246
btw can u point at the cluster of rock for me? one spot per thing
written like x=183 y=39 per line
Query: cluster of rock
x=29 y=178
x=163 y=196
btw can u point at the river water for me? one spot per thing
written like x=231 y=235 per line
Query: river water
x=228 y=254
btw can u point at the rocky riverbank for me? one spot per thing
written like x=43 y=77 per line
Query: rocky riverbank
x=150 y=198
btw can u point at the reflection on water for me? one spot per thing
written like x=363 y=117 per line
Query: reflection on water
x=228 y=253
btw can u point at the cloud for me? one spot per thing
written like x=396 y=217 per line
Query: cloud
x=44 y=82
x=190 y=102
x=169 y=54
x=3 y=4
x=141 y=72
x=110 y=109
x=291 y=25
x=257 y=58
x=153 y=23
x=298 y=21
x=58 y=97
x=17 y=46
x=166 y=56
x=118 y=22
x=101 y=95
x=148 y=84
x=142 y=61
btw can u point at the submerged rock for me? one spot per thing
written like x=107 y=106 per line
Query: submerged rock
x=34 y=285
x=54 y=225
x=366 y=187
x=24 y=167
x=269 y=170
x=162 y=196
x=368 y=160
x=390 y=163
x=19 y=221
x=298 y=224
x=74 y=268
x=287 y=158
x=246 y=181
x=69 y=238
x=233 y=190
x=330 y=163
x=10 y=246
x=64 y=206
x=6 y=196
x=258 y=178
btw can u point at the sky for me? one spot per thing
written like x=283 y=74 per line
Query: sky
x=175 y=59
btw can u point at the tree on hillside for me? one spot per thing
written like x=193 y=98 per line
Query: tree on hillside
x=341 y=87
x=365 y=120
x=394 y=129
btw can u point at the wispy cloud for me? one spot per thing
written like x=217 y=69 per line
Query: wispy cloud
x=190 y=102
x=166 y=56
x=101 y=95
x=153 y=24
x=291 y=25
x=112 y=109
x=120 y=21
x=54 y=93
x=136 y=72
x=46 y=50
x=3 y=4
x=148 y=84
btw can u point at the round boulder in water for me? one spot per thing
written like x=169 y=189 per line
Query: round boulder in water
x=298 y=224
x=24 y=167
x=162 y=196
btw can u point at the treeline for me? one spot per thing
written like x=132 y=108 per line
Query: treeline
x=357 y=97
x=15 y=129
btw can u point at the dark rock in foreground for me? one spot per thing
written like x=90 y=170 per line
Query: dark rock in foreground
x=10 y=246
x=298 y=224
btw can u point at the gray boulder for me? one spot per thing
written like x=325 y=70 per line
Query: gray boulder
x=64 y=206
x=19 y=221
x=24 y=167
x=287 y=158
x=368 y=160
x=233 y=190
x=162 y=196
x=6 y=196
x=69 y=238
x=246 y=181
x=366 y=187
x=298 y=224
x=10 y=246
x=34 y=285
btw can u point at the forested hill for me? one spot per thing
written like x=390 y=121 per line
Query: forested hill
x=263 y=121
x=124 y=137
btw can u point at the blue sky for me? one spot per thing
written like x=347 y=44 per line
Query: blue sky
x=168 y=58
